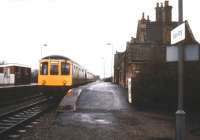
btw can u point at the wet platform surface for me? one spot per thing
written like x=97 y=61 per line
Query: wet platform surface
x=103 y=113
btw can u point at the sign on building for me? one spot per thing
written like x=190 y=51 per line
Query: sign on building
x=191 y=53
x=178 y=34
x=172 y=54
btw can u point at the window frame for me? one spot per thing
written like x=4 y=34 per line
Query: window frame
x=52 y=71
x=42 y=68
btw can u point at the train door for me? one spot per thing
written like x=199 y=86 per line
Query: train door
x=66 y=73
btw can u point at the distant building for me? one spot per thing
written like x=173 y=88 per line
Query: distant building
x=149 y=45
x=13 y=73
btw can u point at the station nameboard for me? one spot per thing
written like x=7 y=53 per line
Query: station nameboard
x=178 y=34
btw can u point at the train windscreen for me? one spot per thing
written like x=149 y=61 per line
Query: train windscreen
x=65 y=68
x=54 y=69
x=44 y=68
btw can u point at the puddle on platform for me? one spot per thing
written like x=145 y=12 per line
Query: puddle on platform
x=92 y=120
x=103 y=121
x=85 y=119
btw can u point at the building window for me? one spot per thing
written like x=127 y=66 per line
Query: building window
x=44 y=68
x=65 y=68
x=54 y=69
x=27 y=71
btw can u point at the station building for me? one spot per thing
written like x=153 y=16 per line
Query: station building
x=149 y=45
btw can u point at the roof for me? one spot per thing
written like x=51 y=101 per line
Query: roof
x=14 y=64
x=56 y=57
x=62 y=57
x=154 y=30
x=189 y=34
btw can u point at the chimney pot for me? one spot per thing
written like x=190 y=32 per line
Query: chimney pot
x=143 y=15
x=166 y=3
x=161 y=4
x=147 y=17
x=157 y=4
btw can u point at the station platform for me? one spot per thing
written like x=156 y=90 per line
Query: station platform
x=10 y=93
x=15 y=86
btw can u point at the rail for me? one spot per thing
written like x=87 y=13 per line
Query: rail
x=13 y=119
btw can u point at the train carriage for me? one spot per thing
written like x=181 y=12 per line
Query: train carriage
x=58 y=73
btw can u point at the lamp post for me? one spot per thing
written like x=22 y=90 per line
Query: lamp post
x=109 y=44
x=44 y=45
x=180 y=114
x=103 y=67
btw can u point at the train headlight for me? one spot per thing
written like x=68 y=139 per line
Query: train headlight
x=64 y=82
x=43 y=82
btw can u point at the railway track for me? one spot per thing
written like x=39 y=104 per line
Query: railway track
x=13 y=119
x=5 y=103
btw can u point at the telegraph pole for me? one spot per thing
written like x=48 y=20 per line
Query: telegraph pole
x=180 y=114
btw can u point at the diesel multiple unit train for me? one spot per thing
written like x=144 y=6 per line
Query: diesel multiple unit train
x=58 y=73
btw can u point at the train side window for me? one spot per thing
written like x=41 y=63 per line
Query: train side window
x=44 y=68
x=54 y=69
x=65 y=68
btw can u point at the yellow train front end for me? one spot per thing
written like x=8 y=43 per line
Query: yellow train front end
x=55 y=75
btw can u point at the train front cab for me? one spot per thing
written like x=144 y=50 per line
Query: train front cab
x=55 y=76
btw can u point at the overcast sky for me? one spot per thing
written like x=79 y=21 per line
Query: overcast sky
x=78 y=29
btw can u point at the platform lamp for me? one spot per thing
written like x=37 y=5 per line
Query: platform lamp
x=109 y=44
x=44 y=45
x=103 y=67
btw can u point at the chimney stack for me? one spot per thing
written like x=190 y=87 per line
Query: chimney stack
x=167 y=13
x=164 y=14
x=158 y=13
